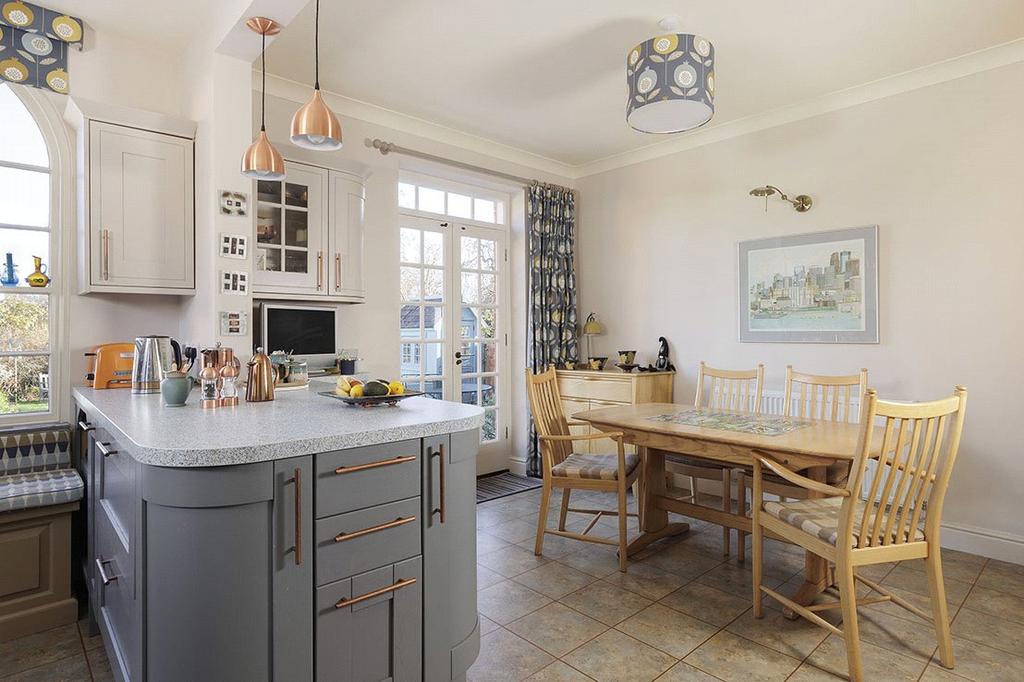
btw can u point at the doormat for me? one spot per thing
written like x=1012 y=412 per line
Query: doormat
x=503 y=484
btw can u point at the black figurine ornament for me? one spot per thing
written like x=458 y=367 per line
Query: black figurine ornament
x=662 y=364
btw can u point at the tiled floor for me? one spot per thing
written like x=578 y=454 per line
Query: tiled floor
x=682 y=612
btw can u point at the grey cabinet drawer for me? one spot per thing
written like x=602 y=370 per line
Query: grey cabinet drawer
x=358 y=541
x=375 y=638
x=114 y=482
x=347 y=480
x=113 y=575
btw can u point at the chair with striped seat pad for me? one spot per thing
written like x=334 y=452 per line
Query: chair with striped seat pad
x=820 y=516
x=40 y=489
x=602 y=467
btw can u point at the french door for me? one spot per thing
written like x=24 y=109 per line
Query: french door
x=454 y=321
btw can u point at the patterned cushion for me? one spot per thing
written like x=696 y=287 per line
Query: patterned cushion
x=594 y=466
x=39 y=489
x=35 y=449
x=820 y=517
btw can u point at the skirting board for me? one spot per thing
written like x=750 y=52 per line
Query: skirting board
x=991 y=543
x=517 y=465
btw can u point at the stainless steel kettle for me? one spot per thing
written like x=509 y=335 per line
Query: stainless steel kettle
x=154 y=355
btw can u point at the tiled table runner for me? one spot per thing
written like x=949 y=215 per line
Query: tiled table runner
x=764 y=425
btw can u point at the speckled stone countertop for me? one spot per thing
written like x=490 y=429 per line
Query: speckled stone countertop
x=295 y=423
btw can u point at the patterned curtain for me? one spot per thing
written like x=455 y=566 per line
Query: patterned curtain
x=34 y=45
x=552 y=315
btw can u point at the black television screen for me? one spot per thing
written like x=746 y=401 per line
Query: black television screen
x=302 y=331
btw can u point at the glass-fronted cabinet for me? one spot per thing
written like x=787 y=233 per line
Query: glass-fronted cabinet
x=291 y=242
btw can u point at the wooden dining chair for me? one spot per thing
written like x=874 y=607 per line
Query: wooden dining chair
x=718 y=389
x=918 y=447
x=570 y=471
x=837 y=398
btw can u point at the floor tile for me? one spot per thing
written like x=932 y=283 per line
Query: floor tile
x=486 y=518
x=486 y=624
x=1000 y=604
x=38 y=649
x=514 y=531
x=730 y=657
x=558 y=672
x=92 y=642
x=682 y=560
x=70 y=669
x=684 y=672
x=795 y=638
x=507 y=601
x=554 y=580
x=1004 y=577
x=606 y=602
x=504 y=656
x=955 y=566
x=595 y=560
x=936 y=673
x=983 y=628
x=99 y=665
x=486 y=543
x=555 y=546
x=511 y=560
x=828 y=662
x=485 y=577
x=909 y=638
x=917 y=581
x=983 y=663
x=707 y=603
x=668 y=630
x=616 y=657
x=557 y=629
x=647 y=580
x=738 y=580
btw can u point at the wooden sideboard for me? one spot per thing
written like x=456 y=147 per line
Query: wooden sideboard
x=590 y=390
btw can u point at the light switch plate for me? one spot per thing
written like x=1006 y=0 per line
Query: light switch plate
x=234 y=246
x=233 y=203
x=234 y=282
x=234 y=323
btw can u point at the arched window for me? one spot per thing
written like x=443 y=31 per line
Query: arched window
x=28 y=231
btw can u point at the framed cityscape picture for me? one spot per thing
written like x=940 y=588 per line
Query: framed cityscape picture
x=810 y=288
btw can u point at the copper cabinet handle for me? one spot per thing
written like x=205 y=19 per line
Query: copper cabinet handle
x=343 y=602
x=105 y=254
x=373 y=465
x=298 y=516
x=440 y=509
x=319 y=270
x=103 y=447
x=337 y=272
x=400 y=521
x=107 y=579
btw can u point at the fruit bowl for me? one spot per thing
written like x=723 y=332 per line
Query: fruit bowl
x=371 y=400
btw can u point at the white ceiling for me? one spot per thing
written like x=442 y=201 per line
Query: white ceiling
x=548 y=77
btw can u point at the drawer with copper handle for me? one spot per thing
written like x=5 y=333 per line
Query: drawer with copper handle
x=348 y=480
x=362 y=540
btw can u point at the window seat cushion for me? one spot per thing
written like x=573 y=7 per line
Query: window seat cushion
x=39 y=489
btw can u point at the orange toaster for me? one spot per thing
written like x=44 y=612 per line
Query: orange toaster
x=109 y=365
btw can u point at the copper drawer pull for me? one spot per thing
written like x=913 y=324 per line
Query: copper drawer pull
x=337 y=272
x=343 y=602
x=107 y=579
x=298 y=516
x=373 y=465
x=341 y=537
x=319 y=270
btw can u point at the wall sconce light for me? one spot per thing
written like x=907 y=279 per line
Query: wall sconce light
x=801 y=202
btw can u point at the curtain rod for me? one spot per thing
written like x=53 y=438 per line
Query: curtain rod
x=386 y=148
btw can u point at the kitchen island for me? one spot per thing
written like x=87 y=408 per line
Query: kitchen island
x=297 y=539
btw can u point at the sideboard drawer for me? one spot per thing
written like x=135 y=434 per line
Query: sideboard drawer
x=362 y=540
x=347 y=480
x=615 y=387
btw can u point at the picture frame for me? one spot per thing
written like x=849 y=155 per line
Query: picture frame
x=820 y=287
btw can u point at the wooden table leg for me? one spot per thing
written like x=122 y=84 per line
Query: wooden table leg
x=816 y=573
x=654 y=523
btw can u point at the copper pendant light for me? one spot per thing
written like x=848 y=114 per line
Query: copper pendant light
x=315 y=126
x=261 y=161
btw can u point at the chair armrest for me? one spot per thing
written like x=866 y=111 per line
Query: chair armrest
x=576 y=422
x=614 y=435
x=796 y=479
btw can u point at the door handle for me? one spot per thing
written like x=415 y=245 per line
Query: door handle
x=105 y=254
x=298 y=516
x=337 y=272
x=319 y=270
x=105 y=449
x=85 y=426
x=107 y=579
x=374 y=465
x=345 y=601
x=440 y=508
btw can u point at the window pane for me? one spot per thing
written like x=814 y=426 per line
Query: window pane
x=410 y=365
x=483 y=210
x=409 y=284
x=296 y=261
x=487 y=261
x=433 y=284
x=406 y=195
x=24 y=384
x=488 y=292
x=20 y=139
x=469 y=392
x=410 y=322
x=268 y=259
x=22 y=245
x=410 y=241
x=470 y=252
x=24 y=197
x=487 y=321
x=433 y=322
x=433 y=389
x=431 y=200
x=459 y=205
x=296 y=194
x=470 y=287
x=489 y=391
x=433 y=362
x=268 y=190
x=490 y=428
x=433 y=248
x=413 y=385
x=489 y=357
x=24 y=322
x=268 y=225
x=499 y=212
x=469 y=358
x=296 y=228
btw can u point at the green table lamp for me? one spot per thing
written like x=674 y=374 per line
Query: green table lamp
x=592 y=328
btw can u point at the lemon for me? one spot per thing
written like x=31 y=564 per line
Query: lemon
x=396 y=388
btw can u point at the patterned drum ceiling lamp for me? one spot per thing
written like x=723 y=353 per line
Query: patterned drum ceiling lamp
x=315 y=126
x=261 y=160
x=671 y=81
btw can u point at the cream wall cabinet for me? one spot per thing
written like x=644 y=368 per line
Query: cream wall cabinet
x=136 y=206
x=588 y=390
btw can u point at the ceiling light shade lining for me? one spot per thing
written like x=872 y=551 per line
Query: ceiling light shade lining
x=671 y=80
x=315 y=126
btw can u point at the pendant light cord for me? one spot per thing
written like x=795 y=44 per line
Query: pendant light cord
x=263 y=95
x=316 y=47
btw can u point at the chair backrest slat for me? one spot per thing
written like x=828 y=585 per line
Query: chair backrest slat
x=823 y=396
x=727 y=389
x=548 y=415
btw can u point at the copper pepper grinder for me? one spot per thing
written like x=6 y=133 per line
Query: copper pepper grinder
x=229 y=372
x=209 y=378
x=260 y=384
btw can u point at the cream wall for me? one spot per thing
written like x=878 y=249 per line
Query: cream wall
x=938 y=170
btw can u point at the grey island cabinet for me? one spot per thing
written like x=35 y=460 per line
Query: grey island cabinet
x=293 y=540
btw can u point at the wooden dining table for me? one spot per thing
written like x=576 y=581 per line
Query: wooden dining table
x=805 y=445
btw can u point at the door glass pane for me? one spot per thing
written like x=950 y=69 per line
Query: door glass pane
x=268 y=225
x=470 y=394
x=433 y=284
x=470 y=252
x=469 y=358
x=488 y=294
x=409 y=283
x=487 y=322
x=487 y=261
x=410 y=365
x=20 y=139
x=470 y=287
x=459 y=205
x=24 y=323
x=413 y=385
x=490 y=428
x=433 y=361
x=433 y=248
x=406 y=195
x=24 y=384
x=22 y=245
x=434 y=389
x=24 y=197
x=431 y=200
x=268 y=259
x=433 y=322
x=489 y=357
x=483 y=210
x=268 y=190
x=296 y=228
x=296 y=261
x=410 y=322
x=489 y=391
x=296 y=194
x=410 y=245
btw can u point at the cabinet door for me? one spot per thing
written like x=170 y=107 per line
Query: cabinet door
x=451 y=634
x=571 y=406
x=293 y=569
x=346 y=241
x=291 y=242
x=142 y=230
